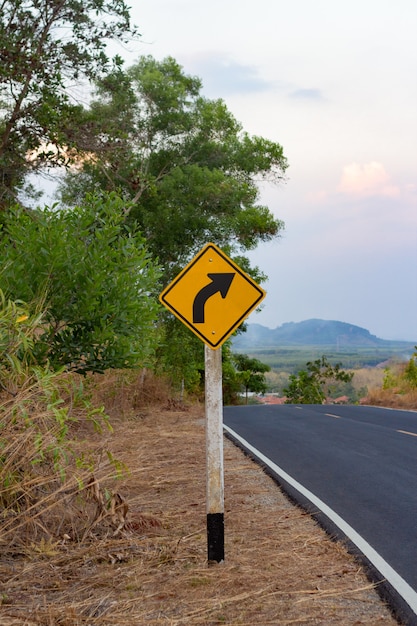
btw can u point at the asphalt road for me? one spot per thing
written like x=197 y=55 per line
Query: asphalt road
x=360 y=461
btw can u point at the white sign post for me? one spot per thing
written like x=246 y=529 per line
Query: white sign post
x=214 y=454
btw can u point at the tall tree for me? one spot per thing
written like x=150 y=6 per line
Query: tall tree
x=189 y=169
x=184 y=161
x=45 y=47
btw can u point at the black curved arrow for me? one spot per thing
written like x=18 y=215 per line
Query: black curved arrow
x=219 y=282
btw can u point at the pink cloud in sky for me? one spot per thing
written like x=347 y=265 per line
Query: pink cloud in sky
x=369 y=179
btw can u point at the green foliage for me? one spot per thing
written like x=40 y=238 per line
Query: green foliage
x=45 y=46
x=189 y=170
x=401 y=377
x=291 y=359
x=410 y=372
x=231 y=384
x=309 y=386
x=304 y=388
x=184 y=161
x=241 y=373
x=180 y=356
x=390 y=379
x=18 y=330
x=93 y=276
x=251 y=374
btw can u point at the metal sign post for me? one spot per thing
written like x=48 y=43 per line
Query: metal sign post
x=213 y=296
x=214 y=454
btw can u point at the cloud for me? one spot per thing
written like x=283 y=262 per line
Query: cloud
x=307 y=94
x=224 y=76
x=369 y=179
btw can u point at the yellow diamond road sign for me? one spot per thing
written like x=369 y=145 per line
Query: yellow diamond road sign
x=212 y=296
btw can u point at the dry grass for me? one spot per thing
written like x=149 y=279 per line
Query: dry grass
x=394 y=398
x=54 y=468
x=369 y=377
x=394 y=390
x=280 y=567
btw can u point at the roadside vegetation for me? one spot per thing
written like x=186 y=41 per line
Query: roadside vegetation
x=149 y=170
x=146 y=170
x=318 y=381
x=290 y=358
x=399 y=386
x=53 y=459
x=389 y=383
x=280 y=566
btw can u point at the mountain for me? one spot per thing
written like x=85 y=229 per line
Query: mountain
x=314 y=332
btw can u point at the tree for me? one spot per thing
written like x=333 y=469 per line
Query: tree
x=92 y=275
x=231 y=385
x=309 y=385
x=410 y=372
x=185 y=163
x=47 y=46
x=250 y=373
x=181 y=355
x=188 y=168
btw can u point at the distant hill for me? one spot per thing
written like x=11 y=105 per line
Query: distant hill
x=314 y=332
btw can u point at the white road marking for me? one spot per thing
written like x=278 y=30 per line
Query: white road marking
x=389 y=573
x=405 y=432
x=331 y=415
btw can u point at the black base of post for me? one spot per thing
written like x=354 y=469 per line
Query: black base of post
x=215 y=536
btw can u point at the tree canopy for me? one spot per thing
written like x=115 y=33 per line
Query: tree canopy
x=309 y=386
x=251 y=373
x=182 y=168
x=189 y=170
x=46 y=48
x=184 y=162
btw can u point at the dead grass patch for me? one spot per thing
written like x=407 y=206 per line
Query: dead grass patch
x=128 y=393
x=56 y=471
x=395 y=398
x=395 y=390
x=369 y=377
x=280 y=567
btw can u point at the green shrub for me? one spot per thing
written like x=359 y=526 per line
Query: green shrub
x=94 y=279
x=410 y=372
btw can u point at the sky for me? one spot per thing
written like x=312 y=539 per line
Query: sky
x=335 y=83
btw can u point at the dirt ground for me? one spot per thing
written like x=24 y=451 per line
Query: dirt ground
x=280 y=568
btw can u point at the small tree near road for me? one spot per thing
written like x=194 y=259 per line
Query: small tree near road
x=309 y=386
x=251 y=374
x=410 y=372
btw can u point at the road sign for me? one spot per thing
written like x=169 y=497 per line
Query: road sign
x=212 y=296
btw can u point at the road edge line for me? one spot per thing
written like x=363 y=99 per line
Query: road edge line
x=398 y=584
